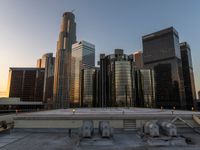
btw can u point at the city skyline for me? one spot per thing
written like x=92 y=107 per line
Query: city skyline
x=28 y=57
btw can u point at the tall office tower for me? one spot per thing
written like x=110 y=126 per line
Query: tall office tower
x=138 y=59
x=116 y=80
x=83 y=56
x=145 y=90
x=26 y=83
x=39 y=63
x=188 y=76
x=67 y=37
x=47 y=61
x=89 y=87
x=161 y=52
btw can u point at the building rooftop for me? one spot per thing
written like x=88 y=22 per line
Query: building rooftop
x=61 y=141
x=59 y=138
x=83 y=43
x=159 y=33
x=26 y=68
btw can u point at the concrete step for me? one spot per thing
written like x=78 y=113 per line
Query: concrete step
x=129 y=125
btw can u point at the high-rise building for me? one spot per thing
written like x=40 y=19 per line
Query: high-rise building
x=26 y=83
x=89 y=87
x=83 y=56
x=161 y=52
x=39 y=63
x=199 y=94
x=47 y=62
x=116 y=80
x=67 y=37
x=145 y=90
x=188 y=76
x=138 y=59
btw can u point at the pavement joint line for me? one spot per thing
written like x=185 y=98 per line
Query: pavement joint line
x=18 y=139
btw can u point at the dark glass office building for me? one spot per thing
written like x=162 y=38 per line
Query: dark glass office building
x=47 y=62
x=199 y=94
x=190 y=92
x=145 y=89
x=161 y=52
x=26 y=83
x=116 y=80
x=89 y=87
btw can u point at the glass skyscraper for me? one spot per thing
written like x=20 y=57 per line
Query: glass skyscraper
x=161 y=52
x=89 y=87
x=116 y=85
x=62 y=73
x=190 y=92
x=83 y=56
x=145 y=89
x=47 y=62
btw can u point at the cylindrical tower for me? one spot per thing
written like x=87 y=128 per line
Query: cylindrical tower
x=67 y=37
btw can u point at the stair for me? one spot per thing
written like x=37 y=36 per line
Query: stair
x=130 y=125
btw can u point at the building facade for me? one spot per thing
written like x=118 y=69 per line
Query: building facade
x=47 y=62
x=26 y=83
x=138 y=59
x=188 y=75
x=83 y=56
x=161 y=52
x=89 y=87
x=62 y=73
x=116 y=85
x=145 y=89
x=199 y=94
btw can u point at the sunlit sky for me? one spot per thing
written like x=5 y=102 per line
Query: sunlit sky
x=29 y=28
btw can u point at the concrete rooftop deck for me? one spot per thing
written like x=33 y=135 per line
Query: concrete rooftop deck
x=38 y=137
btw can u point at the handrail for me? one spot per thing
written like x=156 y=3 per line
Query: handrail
x=188 y=124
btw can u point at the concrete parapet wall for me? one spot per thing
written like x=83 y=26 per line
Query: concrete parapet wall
x=118 y=118
x=61 y=123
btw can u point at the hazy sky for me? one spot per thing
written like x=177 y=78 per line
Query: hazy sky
x=29 y=28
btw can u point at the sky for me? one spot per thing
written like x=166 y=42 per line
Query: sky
x=30 y=28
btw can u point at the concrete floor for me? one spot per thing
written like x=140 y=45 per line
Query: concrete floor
x=61 y=141
x=122 y=140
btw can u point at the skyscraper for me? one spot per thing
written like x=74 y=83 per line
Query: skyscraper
x=190 y=92
x=145 y=89
x=47 y=62
x=62 y=73
x=89 y=87
x=83 y=56
x=116 y=80
x=39 y=63
x=199 y=94
x=161 y=52
x=138 y=59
